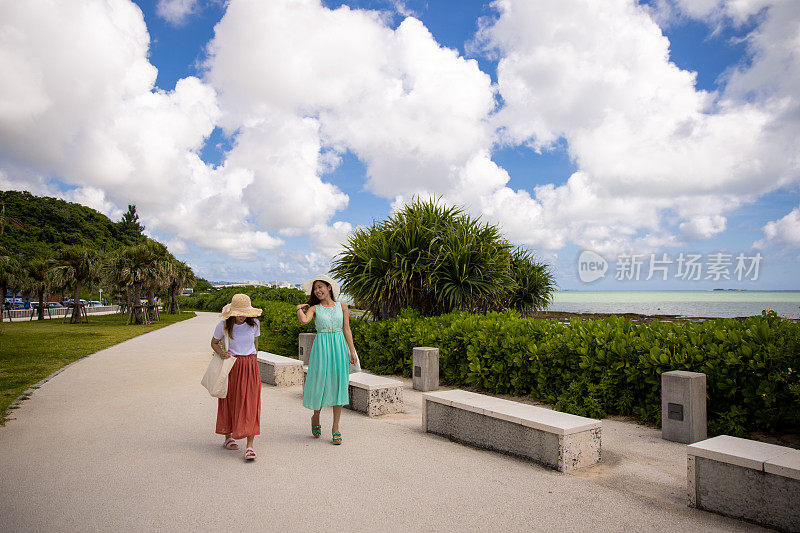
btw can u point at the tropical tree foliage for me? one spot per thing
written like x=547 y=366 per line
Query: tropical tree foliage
x=137 y=268
x=39 y=280
x=179 y=275
x=9 y=269
x=436 y=259
x=126 y=263
x=35 y=225
x=76 y=267
x=533 y=283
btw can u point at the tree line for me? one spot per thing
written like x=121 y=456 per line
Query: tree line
x=49 y=246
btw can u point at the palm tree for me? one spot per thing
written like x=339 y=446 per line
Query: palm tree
x=114 y=273
x=75 y=267
x=180 y=275
x=132 y=269
x=9 y=269
x=39 y=272
x=158 y=278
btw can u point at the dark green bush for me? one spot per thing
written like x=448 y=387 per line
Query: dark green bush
x=279 y=324
x=280 y=327
x=437 y=259
x=215 y=300
x=610 y=366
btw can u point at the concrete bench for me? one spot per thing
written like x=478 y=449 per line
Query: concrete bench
x=279 y=370
x=558 y=440
x=375 y=395
x=746 y=479
x=371 y=394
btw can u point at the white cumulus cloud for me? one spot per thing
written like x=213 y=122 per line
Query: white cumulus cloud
x=79 y=101
x=598 y=75
x=782 y=232
x=414 y=112
x=176 y=11
x=296 y=85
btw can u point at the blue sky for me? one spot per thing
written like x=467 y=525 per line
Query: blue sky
x=254 y=136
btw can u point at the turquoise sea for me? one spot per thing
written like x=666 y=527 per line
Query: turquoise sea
x=723 y=304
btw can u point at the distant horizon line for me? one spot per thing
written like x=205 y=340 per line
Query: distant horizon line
x=260 y=283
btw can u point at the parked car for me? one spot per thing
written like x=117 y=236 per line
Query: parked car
x=94 y=303
x=51 y=305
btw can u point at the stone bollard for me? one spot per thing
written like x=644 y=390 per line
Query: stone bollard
x=425 y=375
x=683 y=406
x=304 y=343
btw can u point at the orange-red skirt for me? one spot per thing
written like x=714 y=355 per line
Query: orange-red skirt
x=240 y=412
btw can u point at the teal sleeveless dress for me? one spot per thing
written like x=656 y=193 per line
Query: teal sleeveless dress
x=329 y=362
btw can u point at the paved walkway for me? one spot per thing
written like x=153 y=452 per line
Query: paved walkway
x=123 y=441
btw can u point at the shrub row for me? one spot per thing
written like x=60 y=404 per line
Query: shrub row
x=279 y=324
x=215 y=300
x=610 y=366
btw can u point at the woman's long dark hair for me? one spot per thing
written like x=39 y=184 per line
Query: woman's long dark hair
x=313 y=300
x=231 y=320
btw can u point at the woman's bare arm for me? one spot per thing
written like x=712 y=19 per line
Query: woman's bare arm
x=217 y=346
x=348 y=335
x=305 y=314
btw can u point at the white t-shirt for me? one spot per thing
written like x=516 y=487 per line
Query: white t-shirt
x=243 y=340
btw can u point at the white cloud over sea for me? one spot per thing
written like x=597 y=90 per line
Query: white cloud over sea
x=295 y=85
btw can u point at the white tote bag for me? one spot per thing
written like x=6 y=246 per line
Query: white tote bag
x=216 y=377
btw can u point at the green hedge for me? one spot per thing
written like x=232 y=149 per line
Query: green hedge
x=587 y=367
x=215 y=300
x=280 y=328
x=279 y=324
x=610 y=366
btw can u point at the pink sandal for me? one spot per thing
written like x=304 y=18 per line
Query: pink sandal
x=231 y=444
x=250 y=454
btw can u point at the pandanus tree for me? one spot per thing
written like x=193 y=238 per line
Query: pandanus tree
x=133 y=268
x=158 y=277
x=76 y=267
x=180 y=275
x=533 y=283
x=9 y=271
x=115 y=274
x=39 y=279
x=435 y=259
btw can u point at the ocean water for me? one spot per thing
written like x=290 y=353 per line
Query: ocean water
x=718 y=304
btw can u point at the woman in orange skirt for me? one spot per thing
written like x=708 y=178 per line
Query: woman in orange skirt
x=239 y=414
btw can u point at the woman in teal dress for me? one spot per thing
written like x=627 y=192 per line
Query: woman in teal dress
x=331 y=354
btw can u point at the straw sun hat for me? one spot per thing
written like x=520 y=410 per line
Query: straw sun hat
x=240 y=306
x=308 y=285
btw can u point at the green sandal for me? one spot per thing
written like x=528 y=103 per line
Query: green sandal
x=316 y=430
x=337 y=438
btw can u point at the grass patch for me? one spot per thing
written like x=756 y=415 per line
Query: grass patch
x=31 y=351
